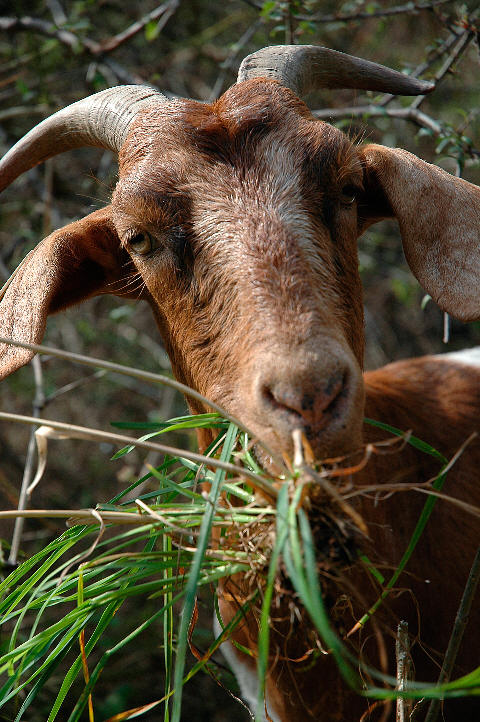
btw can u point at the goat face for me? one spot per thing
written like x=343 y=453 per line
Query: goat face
x=238 y=221
x=243 y=226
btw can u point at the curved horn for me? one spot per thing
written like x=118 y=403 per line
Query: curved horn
x=304 y=68
x=101 y=120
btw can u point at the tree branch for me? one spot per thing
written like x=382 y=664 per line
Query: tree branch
x=166 y=9
x=44 y=28
x=420 y=119
x=85 y=44
x=409 y=7
x=453 y=56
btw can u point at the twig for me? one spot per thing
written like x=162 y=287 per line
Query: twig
x=38 y=405
x=402 y=654
x=374 y=111
x=455 y=54
x=408 y=8
x=457 y=633
x=127 y=76
x=39 y=401
x=83 y=43
x=229 y=62
x=57 y=11
x=18 y=111
x=97 y=435
x=45 y=28
x=91 y=516
x=166 y=9
x=446 y=328
x=143 y=376
x=288 y=23
x=73 y=385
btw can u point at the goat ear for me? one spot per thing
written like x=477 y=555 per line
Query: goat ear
x=81 y=260
x=439 y=219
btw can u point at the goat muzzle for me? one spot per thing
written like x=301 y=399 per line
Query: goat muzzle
x=321 y=396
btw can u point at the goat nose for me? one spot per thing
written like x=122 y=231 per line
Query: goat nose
x=303 y=402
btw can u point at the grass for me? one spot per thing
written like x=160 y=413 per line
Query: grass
x=198 y=523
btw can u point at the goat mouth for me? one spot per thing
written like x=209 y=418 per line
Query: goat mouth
x=336 y=543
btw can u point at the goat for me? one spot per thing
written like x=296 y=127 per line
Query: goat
x=237 y=222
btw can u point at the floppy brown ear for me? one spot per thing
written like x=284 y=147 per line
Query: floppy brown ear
x=78 y=261
x=439 y=219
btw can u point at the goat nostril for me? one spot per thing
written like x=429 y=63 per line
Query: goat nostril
x=336 y=389
x=309 y=408
x=278 y=398
x=308 y=402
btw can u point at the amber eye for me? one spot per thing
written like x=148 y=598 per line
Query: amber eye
x=141 y=243
x=349 y=195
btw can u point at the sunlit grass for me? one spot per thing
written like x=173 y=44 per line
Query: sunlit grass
x=189 y=523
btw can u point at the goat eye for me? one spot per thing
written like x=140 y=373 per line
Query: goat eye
x=349 y=195
x=141 y=243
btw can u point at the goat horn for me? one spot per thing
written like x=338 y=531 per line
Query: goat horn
x=101 y=120
x=304 y=68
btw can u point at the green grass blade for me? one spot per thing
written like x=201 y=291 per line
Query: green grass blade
x=264 y=629
x=414 y=539
x=412 y=440
x=192 y=582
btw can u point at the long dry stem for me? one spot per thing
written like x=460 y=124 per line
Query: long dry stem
x=38 y=405
x=147 y=376
x=402 y=653
x=82 y=432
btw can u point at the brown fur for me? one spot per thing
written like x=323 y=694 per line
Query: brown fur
x=253 y=281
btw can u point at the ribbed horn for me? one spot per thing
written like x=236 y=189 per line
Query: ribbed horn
x=304 y=68
x=101 y=120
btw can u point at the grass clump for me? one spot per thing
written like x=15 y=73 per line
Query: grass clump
x=285 y=553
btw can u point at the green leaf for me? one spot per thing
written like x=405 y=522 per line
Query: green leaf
x=152 y=30
x=267 y=8
x=412 y=440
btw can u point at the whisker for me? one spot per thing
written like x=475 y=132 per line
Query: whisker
x=130 y=284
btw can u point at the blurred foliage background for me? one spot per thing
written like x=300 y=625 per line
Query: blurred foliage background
x=54 y=52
